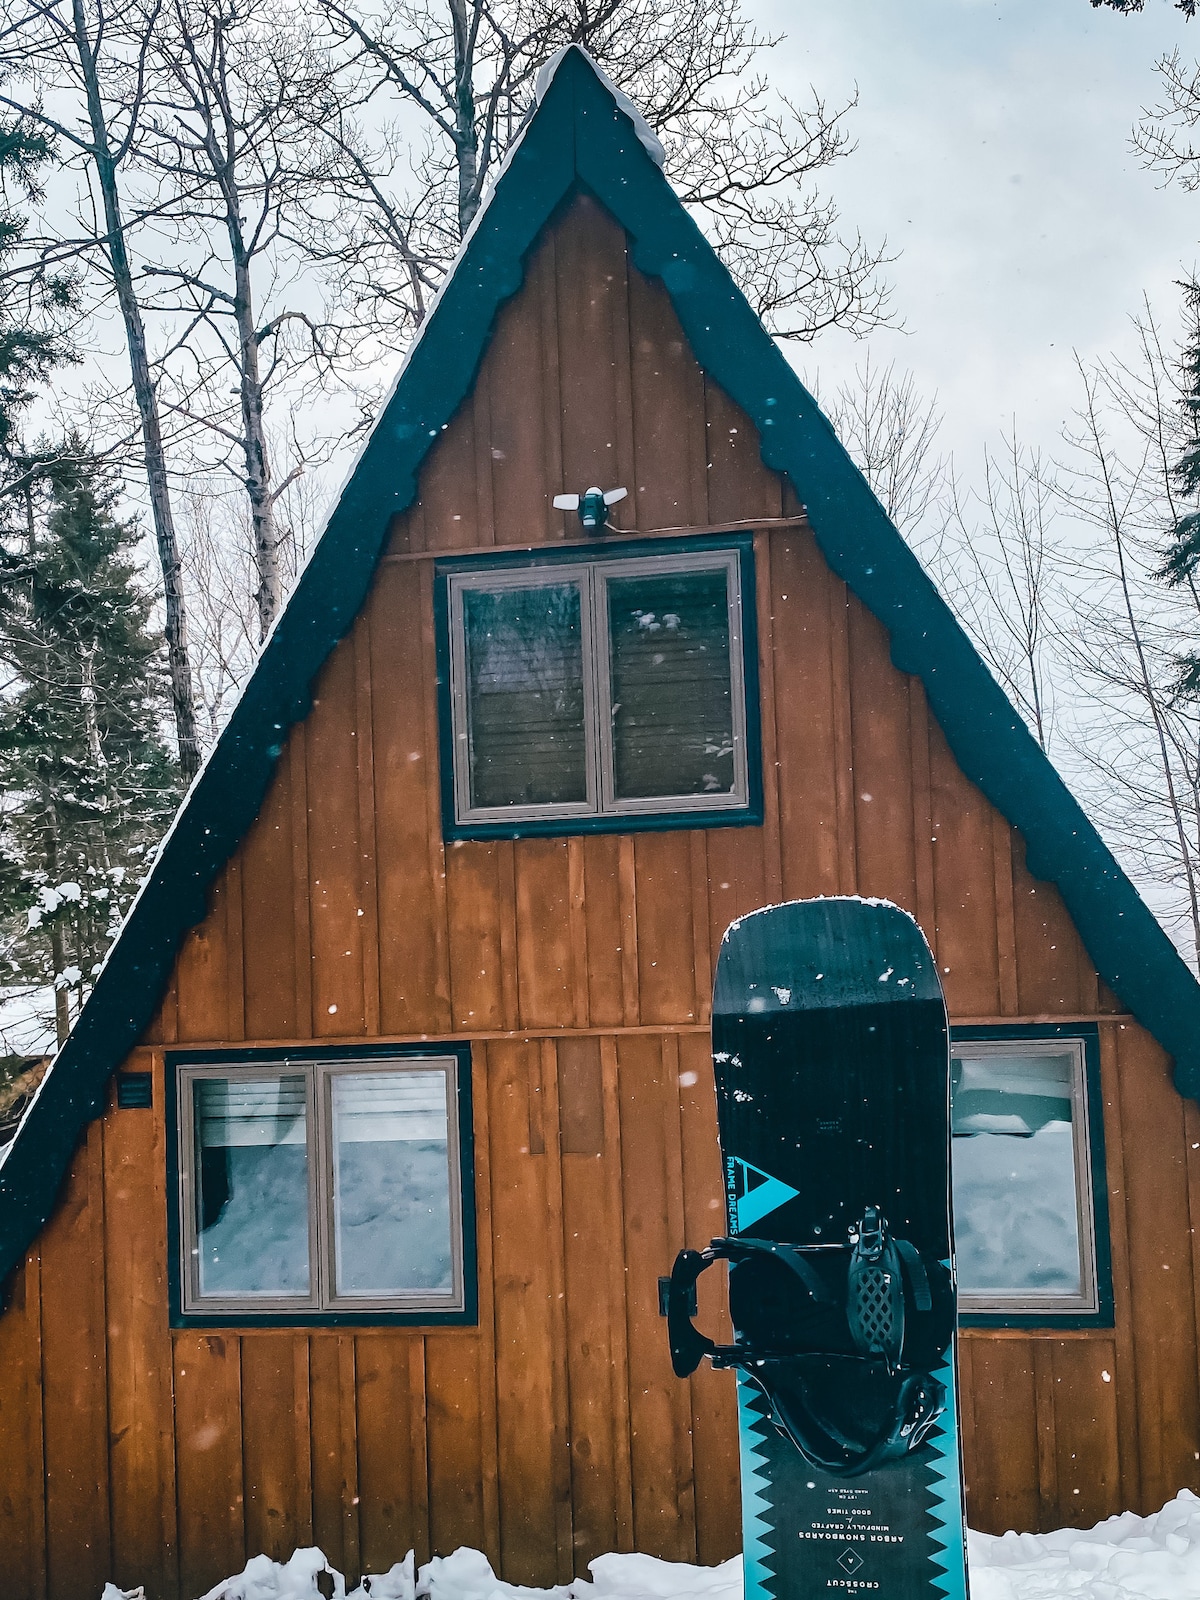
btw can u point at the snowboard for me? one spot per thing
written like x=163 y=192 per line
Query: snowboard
x=831 y=1057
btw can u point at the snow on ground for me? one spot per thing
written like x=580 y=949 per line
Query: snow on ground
x=1125 y=1558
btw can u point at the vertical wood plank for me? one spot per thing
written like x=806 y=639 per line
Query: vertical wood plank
x=544 y=954
x=485 y=1342
x=413 y=972
x=965 y=886
x=140 y=1399
x=519 y=471
x=739 y=486
x=881 y=749
x=302 y=1433
x=669 y=433
x=506 y=877
x=622 y=1379
x=589 y=256
x=208 y=1472
x=301 y=917
x=1087 y=1446
x=22 y=1467
x=418 y=1449
x=589 y=1246
x=235 y=975
x=271 y=1468
x=75 y=1398
x=1002 y=1435
x=918 y=721
x=269 y=941
x=713 y=1394
x=843 y=736
x=666 y=975
x=525 y=1317
x=702 y=958
x=805 y=716
x=367 y=910
x=386 y=1489
x=606 y=966
x=1006 y=921
x=1161 y=1298
x=201 y=978
x=578 y=930
x=473 y=903
x=764 y=605
x=662 y=1521
x=456 y=1510
x=485 y=520
x=449 y=501
x=627 y=889
x=1050 y=954
x=328 y=1443
x=334 y=850
x=543 y=277
x=348 y=1420
x=1125 y=1371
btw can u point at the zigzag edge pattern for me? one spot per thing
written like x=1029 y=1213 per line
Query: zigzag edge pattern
x=945 y=1491
x=756 y=1507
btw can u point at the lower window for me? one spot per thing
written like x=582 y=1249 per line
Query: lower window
x=321 y=1186
x=1024 y=1154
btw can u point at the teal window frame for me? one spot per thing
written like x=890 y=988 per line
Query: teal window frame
x=646 y=816
x=183 y=1065
x=1012 y=1315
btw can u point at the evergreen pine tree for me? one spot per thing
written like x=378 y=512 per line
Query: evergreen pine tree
x=86 y=779
x=1181 y=562
x=30 y=344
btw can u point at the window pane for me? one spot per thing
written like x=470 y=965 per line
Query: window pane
x=672 y=704
x=391 y=1183
x=525 y=700
x=251 y=1186
x=1016 y=1220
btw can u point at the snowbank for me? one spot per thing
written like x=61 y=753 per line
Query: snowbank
x=1125 y=1558
x=1150 y=1558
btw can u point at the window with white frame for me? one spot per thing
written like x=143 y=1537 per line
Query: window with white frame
x=610 y=687
x=320 y=1186
x=1024 y=1209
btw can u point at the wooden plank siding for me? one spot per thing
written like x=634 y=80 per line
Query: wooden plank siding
x=580 y=970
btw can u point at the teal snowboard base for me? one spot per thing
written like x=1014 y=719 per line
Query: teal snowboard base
x=895 y=1535
x=831 y=1060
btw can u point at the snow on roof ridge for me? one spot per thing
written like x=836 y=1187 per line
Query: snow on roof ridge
x=649 y=140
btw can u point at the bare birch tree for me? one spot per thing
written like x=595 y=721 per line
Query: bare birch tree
x=463 y=72
x=999 y=562
x=236 y=91
x=89 y=58
x=1139 y=735
x=890 y=430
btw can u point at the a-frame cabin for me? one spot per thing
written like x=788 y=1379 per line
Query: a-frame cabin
x=340 y=1216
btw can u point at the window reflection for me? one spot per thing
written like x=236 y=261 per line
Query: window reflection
x=672 y=703
x=252 y=1186
x=525 y=695
x=1016 y=1173
x=391 y=1183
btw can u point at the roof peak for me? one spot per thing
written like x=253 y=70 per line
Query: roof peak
x=647 y=137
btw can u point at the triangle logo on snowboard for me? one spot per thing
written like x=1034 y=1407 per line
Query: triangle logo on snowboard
x=756 y=1193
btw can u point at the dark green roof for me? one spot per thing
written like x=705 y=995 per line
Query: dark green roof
x=579 y=138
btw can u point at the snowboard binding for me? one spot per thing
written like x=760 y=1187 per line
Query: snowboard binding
x=841 y=1339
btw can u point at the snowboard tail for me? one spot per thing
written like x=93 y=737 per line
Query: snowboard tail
x=832 y=1071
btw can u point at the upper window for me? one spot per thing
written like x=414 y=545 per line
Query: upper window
x=1023 y=1153
x=598 y=690
x=327 y=1186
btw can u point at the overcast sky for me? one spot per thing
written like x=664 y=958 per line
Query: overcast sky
x=993 y=152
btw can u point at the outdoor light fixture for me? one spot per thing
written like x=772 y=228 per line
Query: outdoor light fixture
x=592 y=505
